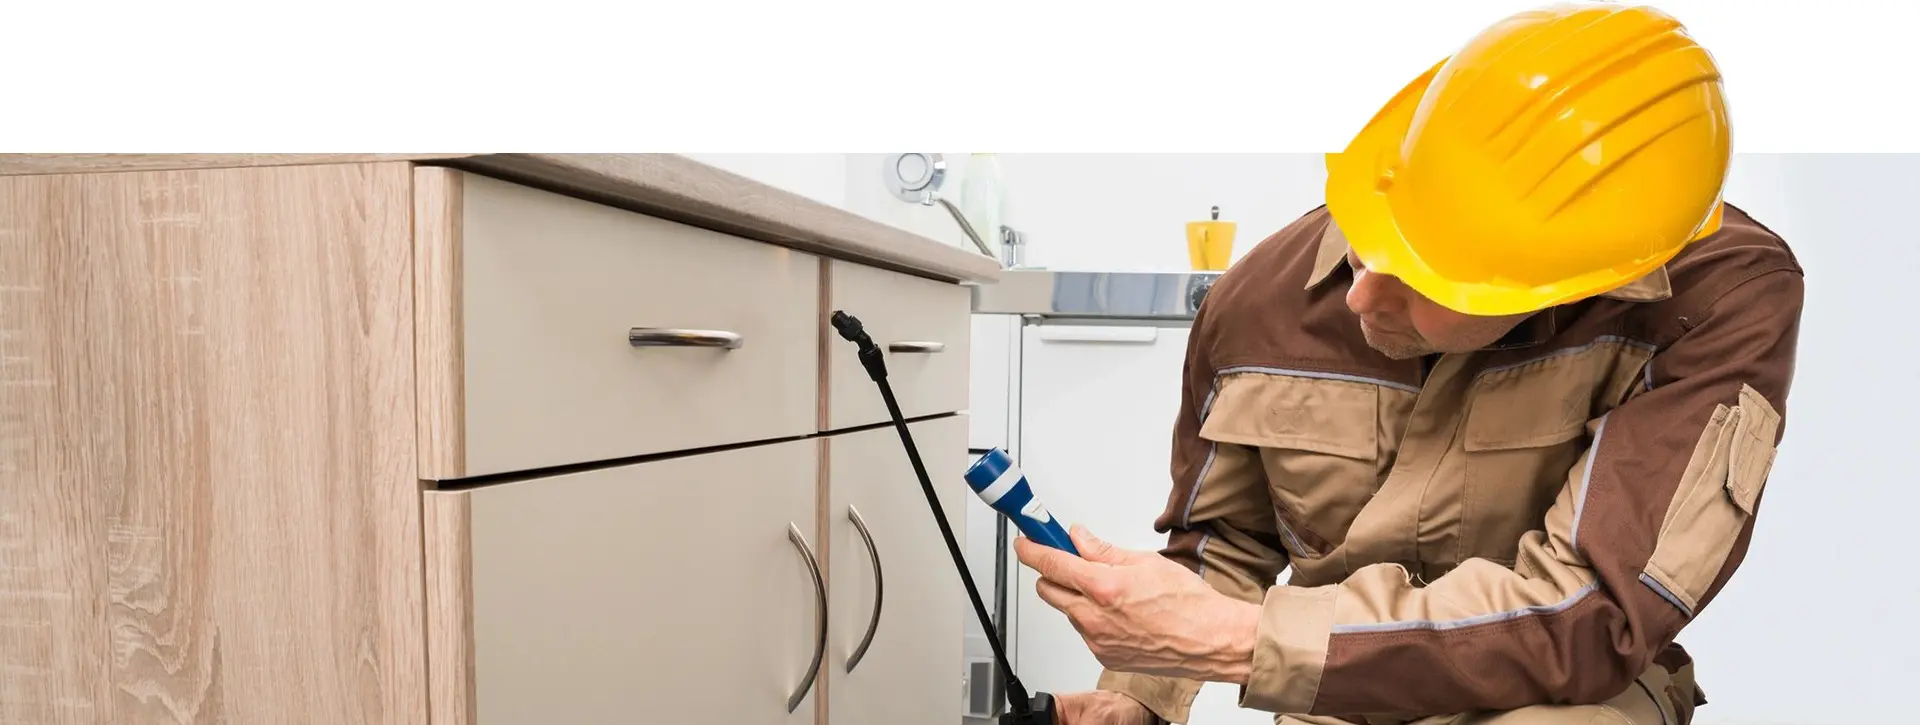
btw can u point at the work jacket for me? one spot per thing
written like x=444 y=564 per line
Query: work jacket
x=1531 y=523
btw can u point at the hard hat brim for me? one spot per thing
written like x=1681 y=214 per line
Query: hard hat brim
x=1356 y=195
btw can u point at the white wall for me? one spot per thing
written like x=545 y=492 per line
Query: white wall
x=821 y=177
x=1079 y=211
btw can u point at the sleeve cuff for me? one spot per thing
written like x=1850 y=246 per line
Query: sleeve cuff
x=1170 y=699
x=1290 y=654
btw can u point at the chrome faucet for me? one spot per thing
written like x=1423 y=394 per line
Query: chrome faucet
x=916 y=178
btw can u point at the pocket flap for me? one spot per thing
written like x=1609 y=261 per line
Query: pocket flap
x=1269 y=410
x=1551 y=400
x=1527 y=411
x=1756 y=425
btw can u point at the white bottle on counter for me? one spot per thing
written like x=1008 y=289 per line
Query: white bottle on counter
x=982 y=199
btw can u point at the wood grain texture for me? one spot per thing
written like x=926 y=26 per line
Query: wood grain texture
x=450 y=659
x=682 y=189
x=665 y=185
x=208 y=504
x=828 y=344
x=34 y=164
x=440 y=348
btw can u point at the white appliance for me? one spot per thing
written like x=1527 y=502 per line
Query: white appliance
x=1077 y=374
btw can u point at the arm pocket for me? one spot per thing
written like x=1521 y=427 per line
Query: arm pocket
x=1715 y=500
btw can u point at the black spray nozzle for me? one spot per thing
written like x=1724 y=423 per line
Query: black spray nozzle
x=848 y=326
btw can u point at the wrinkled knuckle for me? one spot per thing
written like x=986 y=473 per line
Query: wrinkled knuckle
x=1102 y=592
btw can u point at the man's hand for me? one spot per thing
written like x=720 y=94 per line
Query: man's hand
x=1142 y=613
x=1100 y=707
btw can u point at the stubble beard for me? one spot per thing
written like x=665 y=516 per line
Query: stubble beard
x=1397 y=347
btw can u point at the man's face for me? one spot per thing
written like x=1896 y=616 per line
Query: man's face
x=1402 y=324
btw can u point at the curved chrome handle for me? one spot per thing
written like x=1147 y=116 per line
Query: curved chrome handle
x=916 y=346
x=819 y=618
x=879 y=588
x=671 y=337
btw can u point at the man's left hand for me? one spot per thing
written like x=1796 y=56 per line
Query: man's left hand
x=1142 y=613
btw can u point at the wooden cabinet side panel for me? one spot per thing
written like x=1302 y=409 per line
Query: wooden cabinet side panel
x=450 y=658
x=438 y=203
x=209 y=509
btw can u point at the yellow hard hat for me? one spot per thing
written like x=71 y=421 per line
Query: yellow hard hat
x=1562 y=153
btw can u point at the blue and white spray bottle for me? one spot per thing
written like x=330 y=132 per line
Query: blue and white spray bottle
x=1001 y=484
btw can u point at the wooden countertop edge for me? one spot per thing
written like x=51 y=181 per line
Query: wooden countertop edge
x=682 y=189
x=664 y=185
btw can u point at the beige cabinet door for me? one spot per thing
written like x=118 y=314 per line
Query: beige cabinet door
x=674 y=591
x=888 y=554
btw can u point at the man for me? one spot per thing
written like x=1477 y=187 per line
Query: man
x=1505 y=407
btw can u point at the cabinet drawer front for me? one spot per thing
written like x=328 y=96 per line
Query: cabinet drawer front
x=889 y=557
x=667 y=591
x=925 y=327
x=528 y=300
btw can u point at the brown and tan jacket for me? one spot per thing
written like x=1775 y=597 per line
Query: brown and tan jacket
x=1532 y=523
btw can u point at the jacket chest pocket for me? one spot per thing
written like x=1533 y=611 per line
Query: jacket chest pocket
x=1526 y=427
x=1319 y=441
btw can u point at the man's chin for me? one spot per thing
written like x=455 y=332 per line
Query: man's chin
x=1397 y=348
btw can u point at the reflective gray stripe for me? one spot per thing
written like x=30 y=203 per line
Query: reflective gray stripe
x=1298 y=546
x=1661 y=590
x=1186 y=518
x=1316 y=375
x=1565 y=351
x=1441 y=626
x=1200 y=552
x=1586 y=483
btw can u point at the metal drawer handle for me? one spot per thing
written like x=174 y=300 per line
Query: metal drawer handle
x=879 y=588
x=916 y=346
x=670 y=337
x=819 y=618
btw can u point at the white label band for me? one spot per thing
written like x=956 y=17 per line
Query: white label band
x=1007 y=480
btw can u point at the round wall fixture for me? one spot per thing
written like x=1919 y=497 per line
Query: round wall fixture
x=914 y=177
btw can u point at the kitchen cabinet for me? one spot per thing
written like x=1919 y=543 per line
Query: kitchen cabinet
x=461 y=438
x=889 y=558
x=686 y=589
x=923 y=325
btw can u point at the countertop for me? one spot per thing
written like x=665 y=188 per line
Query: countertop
x=1087 y=296
x=663 y=185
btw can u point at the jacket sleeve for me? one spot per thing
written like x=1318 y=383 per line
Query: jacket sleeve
x=1653 y=519
x=1219 y=522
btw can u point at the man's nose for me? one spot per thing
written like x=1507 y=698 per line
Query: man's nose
x=1372 y=294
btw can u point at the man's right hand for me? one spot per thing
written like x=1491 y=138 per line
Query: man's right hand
x=1100 y=707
